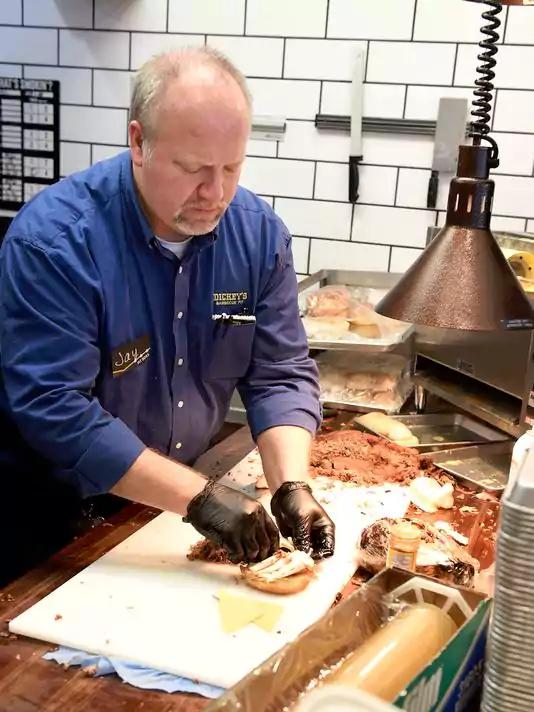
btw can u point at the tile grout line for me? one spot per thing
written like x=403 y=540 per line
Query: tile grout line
x=455 y=65
x=414 y=20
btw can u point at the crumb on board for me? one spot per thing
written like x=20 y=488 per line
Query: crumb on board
x=58 y=617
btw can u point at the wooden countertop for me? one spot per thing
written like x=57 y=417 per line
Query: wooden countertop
x=30 y=684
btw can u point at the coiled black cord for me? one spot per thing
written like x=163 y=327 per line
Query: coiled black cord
x=484 y=84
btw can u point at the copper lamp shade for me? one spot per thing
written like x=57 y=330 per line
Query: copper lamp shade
x=462 y=280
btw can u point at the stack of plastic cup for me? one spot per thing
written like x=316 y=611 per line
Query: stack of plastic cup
x=509 y=675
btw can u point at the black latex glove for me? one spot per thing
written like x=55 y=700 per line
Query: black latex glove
x=302 y=518
x=234 y=521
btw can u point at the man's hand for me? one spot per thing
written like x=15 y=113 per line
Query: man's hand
x=302 y=518
x=234 y=521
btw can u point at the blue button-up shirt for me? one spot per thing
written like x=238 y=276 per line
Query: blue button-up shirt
x=107 y=340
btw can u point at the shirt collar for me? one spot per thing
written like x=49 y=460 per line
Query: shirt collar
x=133 y=204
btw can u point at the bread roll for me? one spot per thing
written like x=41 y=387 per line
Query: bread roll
x=318 y=327
x=397 y=652
x=284 y=586
x=388 y=427
x=367 y=331
x=398 y=431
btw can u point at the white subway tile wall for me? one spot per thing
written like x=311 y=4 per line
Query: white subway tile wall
x=446 y=21
x=292 y=18
x=75 y=83
x=391 y=226
x=86 y=48
x=520 y=25
x=112 y=88
x=207 y=16
x=388 y=19
x=74 y=157
x=94 y=125
x=402 y=258
x=57 y=13
x=321 y=59
x=30 y=45
x=285 y=98
x=413 y=63
x=301 y=252
x=141 y=15
x=10 y=70
x=145 y=45
x=11 y=12
x=381 y=100
x=313 y=218
x=103 y=151
x=348 y=255
x=298 y=56
x=273 y=176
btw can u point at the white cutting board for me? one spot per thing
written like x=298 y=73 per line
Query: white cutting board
x=144 y=602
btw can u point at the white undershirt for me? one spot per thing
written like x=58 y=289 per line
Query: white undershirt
x=177 y=248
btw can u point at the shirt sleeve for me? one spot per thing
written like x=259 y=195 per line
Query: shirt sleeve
x=281 y=386
x=49 y=333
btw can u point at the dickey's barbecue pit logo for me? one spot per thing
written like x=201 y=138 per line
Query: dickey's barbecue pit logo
x=229 y=298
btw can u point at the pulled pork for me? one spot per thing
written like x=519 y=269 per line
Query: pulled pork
x=364 y=459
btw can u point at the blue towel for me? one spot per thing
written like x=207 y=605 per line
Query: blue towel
x=136 y=675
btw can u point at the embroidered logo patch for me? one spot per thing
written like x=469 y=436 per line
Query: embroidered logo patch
x=229 y=298
x=130 y=355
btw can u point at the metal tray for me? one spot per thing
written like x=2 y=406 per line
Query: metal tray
x=446 y=430
x=364 y=406
x=485 y=466
x=368 y=280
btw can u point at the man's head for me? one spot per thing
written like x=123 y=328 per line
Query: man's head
x=189 y=122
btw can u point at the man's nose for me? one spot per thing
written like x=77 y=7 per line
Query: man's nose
x=211 y=188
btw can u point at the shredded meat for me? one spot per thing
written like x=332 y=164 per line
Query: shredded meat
x=205 y=550
x=363 y=459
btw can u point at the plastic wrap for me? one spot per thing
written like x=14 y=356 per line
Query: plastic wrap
x=284 y=680
x=340 y=313
x=374 y=382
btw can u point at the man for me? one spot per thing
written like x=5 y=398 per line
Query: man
x=134 y=297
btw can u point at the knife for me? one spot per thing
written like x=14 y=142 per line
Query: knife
x=356 y=156
x=450 y=133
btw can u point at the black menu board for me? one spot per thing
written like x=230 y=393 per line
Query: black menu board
x=29 y=138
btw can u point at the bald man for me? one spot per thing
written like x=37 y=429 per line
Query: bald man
x=135 y=297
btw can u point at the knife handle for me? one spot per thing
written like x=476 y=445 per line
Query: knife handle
x=354 y=178
x=433 y=185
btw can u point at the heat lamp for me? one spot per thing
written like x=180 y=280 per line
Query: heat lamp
x=462 y=280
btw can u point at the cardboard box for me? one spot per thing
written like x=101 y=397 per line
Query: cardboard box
x=451 y=681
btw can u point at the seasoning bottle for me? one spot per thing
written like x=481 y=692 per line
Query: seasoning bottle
x=404 y=542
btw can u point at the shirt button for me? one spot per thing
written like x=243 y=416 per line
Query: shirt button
x=180 y=362
x=179 y=315
x=180 y=404
x=180 y=269
x=178 y=446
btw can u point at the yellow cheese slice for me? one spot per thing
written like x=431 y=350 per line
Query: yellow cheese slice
x=268 y=620
x=238 y=611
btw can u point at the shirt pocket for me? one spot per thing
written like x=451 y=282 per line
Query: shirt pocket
x=231 y=351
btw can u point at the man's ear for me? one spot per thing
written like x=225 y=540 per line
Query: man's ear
x=135 y=136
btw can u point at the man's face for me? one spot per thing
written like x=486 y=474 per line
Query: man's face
x=189 y=174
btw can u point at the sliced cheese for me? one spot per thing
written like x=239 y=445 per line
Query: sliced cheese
x=237 y=611
x=268 y=620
